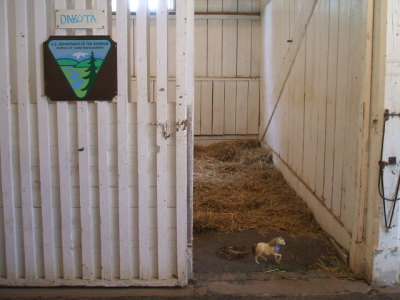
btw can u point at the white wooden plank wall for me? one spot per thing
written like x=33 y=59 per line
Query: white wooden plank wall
x=314 y=130
x=88 y=190
x=226 y=66
x=226 y=69
x=10 y=233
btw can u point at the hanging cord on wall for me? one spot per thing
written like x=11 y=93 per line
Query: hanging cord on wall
x=381 y=185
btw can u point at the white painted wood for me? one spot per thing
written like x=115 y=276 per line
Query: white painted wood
x=200 y=5
x=197 y=108
x=229 y=5
x=182 y=10
x=6 y=155
x=132 y=59
x=142 y=71
x=331 y=100
x=285 y=33
x=382 y=267
x=273 y=66
x=244 y=48
x=242 y=92
x=244 y=5
x=65 y=189
x=321 y=75
x=84 y=191
x=125 y=251
x=109 y=208
x=218 y=108
x=255 y=6
x=227 y=79
x=229 y=47
x=171 y=49
x=152 y=47
x=341 y=100
x=255 y=47
x=25 y=144
x=218 y=16
x=230 y=107
x=206 y=108
x=84 y=176
x=297 y=147
x=290 y=57
x=215 y=6
x=46 y=181
x=3 y=270
x=357 y=249
x=214 y=48
x=151 y=91
x=87 y=196
x=253 y=109
x=353 y=106
x=226 y=57
x=104 y=190
x=201 y=48
x=162 y=155
x=65 y=206
x=330 y=71
x=310 y=107
x=189 y=74
x=323 y=216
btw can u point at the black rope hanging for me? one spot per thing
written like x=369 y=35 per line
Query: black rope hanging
x=382 y=165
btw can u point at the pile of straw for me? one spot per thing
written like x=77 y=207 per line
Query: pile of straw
x=236 y=188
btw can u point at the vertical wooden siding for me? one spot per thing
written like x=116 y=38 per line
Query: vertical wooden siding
x=315 y=128
x=226 y=67
x=105 y=215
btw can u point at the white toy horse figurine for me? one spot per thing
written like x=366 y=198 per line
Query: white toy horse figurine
x=270 y=248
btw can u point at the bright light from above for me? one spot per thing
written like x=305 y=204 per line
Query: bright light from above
x=152 y=5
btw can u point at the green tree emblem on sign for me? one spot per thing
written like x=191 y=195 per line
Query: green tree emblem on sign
x=92 y=73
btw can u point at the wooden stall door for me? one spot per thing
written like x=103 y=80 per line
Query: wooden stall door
x=96 y=193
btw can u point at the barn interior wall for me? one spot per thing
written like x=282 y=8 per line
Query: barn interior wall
x=227 y=67
x=314 y=132
x=227 y=81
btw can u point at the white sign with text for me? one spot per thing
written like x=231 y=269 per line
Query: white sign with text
x=84 y=18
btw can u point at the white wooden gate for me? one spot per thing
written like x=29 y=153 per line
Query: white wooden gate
x=113 y=213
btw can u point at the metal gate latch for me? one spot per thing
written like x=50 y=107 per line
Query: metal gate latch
x=182 y=125
x=166 y=127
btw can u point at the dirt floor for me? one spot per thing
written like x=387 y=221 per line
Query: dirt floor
x=212 y=253
x=241 y=199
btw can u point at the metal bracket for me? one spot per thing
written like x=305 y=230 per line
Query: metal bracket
x=388 y=215
x=166 y=127
x=181 y=125
x=388 y=114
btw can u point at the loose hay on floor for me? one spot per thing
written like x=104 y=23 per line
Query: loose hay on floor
x=237 y=188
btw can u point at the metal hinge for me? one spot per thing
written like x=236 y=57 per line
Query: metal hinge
x=166 y=127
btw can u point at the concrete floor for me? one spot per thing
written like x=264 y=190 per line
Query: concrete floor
x=225 y=286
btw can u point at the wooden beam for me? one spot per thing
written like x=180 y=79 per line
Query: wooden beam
x=142 y=69
x=181 y=139
x=357 y=249
x=25 y=141
x=84 y=177
x=6 y=153
x=46 y=181
x=125 y=231
x=162 y=154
